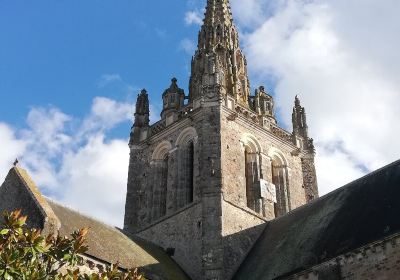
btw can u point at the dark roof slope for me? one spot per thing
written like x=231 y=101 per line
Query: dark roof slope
x=361 y=212
x=106 y=244
x=109 y=244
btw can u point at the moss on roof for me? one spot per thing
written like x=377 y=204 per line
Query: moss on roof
x=106 y=243
x=111 y=245
x=360 y=213
x=37 y=196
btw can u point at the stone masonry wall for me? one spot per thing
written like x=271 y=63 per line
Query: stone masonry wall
x=240 y=230
x=182 y=232
x=376 y=261
x=14 y=195
x=139 y=201
x=241 y=225
x=182 y=228
x=233 y=169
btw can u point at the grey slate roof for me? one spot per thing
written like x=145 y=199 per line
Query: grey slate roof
x=111 y=245
x=106 y=243
x=361 y=212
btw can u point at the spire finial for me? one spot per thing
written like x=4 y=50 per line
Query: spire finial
x=16 y=162
x=219 y=50
x=297 y=100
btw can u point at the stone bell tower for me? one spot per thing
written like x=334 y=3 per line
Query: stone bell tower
x=205 y=179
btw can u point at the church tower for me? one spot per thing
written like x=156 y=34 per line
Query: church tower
x=207 y=177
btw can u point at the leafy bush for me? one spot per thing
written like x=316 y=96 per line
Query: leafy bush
x=27 y=255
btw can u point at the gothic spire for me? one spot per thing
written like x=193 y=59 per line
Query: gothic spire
x=142 y=110
x=299 y=119
x=142 y=118
x=218 y=11
x=219 y=66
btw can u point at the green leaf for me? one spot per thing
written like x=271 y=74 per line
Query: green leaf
x=4 y=231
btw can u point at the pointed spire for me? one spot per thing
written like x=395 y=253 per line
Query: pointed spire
x=299 y=119
x=218 y=11
x=219 y=66
x=142 y=113
x=218 y=27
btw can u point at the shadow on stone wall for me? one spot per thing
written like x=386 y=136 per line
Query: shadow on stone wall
x=237 y=246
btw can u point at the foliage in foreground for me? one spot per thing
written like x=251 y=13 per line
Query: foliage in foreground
x=26 y=255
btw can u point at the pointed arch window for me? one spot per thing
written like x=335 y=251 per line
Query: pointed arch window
x=252 y=175
x=187 y=168
x=186 y=180
x=160 y=173
x=280 y=180
x=160 y=178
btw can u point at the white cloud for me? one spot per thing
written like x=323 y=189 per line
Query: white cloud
x=71 y=160
x=107 y=79
x=11 y=148
x=94 y=178
x=193 y=17
x=345 y=67
x=188 y=46
x=105 y=114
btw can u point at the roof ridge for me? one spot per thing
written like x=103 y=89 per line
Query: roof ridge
x=51 y=219
x=87 y=216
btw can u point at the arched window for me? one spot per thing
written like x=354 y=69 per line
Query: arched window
x=252 y=176
x=280 y=180
x=189 y=177
x=160 y=172
x=186 y=166
x=160 y=180
x=186 y=176
x=252 y=173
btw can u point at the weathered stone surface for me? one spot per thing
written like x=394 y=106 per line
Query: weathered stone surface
x=183 y=233
x=20 y=192
x=215 y=152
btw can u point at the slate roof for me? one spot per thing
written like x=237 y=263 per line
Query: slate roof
x=106 y=243
x=111 y=245
x=359 y=213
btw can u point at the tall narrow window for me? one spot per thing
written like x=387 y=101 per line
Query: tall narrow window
x=186 y=170
x=190 y=173
x=160 y=177
x=164 y=187
x=252 y=174
x=279 y=179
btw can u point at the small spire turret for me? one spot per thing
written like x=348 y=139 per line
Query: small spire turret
x=142 y=114
x=173 y=98
x=299 y=119
x=142 y=118
x=264 y=104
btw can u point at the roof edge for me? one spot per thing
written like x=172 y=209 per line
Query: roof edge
x=52 y=223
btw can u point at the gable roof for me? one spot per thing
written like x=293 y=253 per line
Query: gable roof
x=111 y=245
x=359 y=213
x=106 y=243
x=19 y=192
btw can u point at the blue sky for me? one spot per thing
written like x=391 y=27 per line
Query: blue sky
x=70 y=72
x=56 y=52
